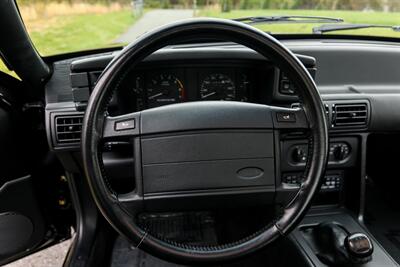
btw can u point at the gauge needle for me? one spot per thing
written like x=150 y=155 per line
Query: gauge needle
x=156 y=95
x=208 y=95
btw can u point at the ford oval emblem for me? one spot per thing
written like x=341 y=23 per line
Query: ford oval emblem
x=250 y=173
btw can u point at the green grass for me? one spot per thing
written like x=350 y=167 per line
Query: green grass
x=82 y=32
x=380 y=18
x=78 y=32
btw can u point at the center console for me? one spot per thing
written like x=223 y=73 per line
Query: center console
x=316 y=253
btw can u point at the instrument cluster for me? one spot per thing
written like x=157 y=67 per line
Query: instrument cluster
x=165 y=86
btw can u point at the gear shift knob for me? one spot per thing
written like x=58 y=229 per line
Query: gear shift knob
x=359 y=247
x=335 y=246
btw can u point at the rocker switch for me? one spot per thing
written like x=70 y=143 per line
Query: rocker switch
x=125 y=125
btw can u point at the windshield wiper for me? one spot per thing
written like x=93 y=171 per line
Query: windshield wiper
x=288 y=19
x=343 y=27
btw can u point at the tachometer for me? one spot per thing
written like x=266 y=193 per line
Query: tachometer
x=217 y=87
x=164 y=89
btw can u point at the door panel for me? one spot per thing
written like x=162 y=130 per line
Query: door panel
x=26 y=222
x=21 y=222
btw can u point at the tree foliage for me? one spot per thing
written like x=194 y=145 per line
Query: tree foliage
x=226 y=5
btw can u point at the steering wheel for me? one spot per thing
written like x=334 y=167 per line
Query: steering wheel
x=212 y=148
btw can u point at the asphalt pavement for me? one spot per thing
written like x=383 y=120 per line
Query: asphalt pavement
x=153 y=19
x=50 y=257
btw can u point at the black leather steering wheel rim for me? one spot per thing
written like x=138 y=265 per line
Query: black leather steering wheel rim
x=108 y=202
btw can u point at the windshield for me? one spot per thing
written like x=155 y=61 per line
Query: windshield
x=61 y=26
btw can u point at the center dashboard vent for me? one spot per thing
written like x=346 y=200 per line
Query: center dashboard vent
x=68 y=129
x=349 y=115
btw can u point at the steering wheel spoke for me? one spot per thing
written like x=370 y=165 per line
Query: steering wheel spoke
x=133 y=202
x=127 y=125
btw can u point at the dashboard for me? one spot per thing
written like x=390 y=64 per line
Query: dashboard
x=224 y=71
x=361 y=99
x=172 y=76
x=355 y=95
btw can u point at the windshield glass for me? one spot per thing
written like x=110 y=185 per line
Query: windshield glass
x=61 y=26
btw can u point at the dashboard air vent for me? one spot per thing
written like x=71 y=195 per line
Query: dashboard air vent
x=68 y=128
x=350 y=115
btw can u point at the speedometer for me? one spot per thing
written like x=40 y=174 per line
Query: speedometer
x=217 y=87
x=164 y=89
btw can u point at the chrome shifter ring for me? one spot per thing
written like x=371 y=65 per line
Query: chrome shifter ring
x=359 y=247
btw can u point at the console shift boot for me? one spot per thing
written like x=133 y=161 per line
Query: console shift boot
x=335 y=246
x=329 y=241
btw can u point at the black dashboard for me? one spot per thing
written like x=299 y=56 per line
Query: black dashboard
x=355 y=106
x=360 y=100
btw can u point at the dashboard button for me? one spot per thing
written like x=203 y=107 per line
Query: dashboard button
x=286 y=117
x=286 y=88
x=125 y=125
